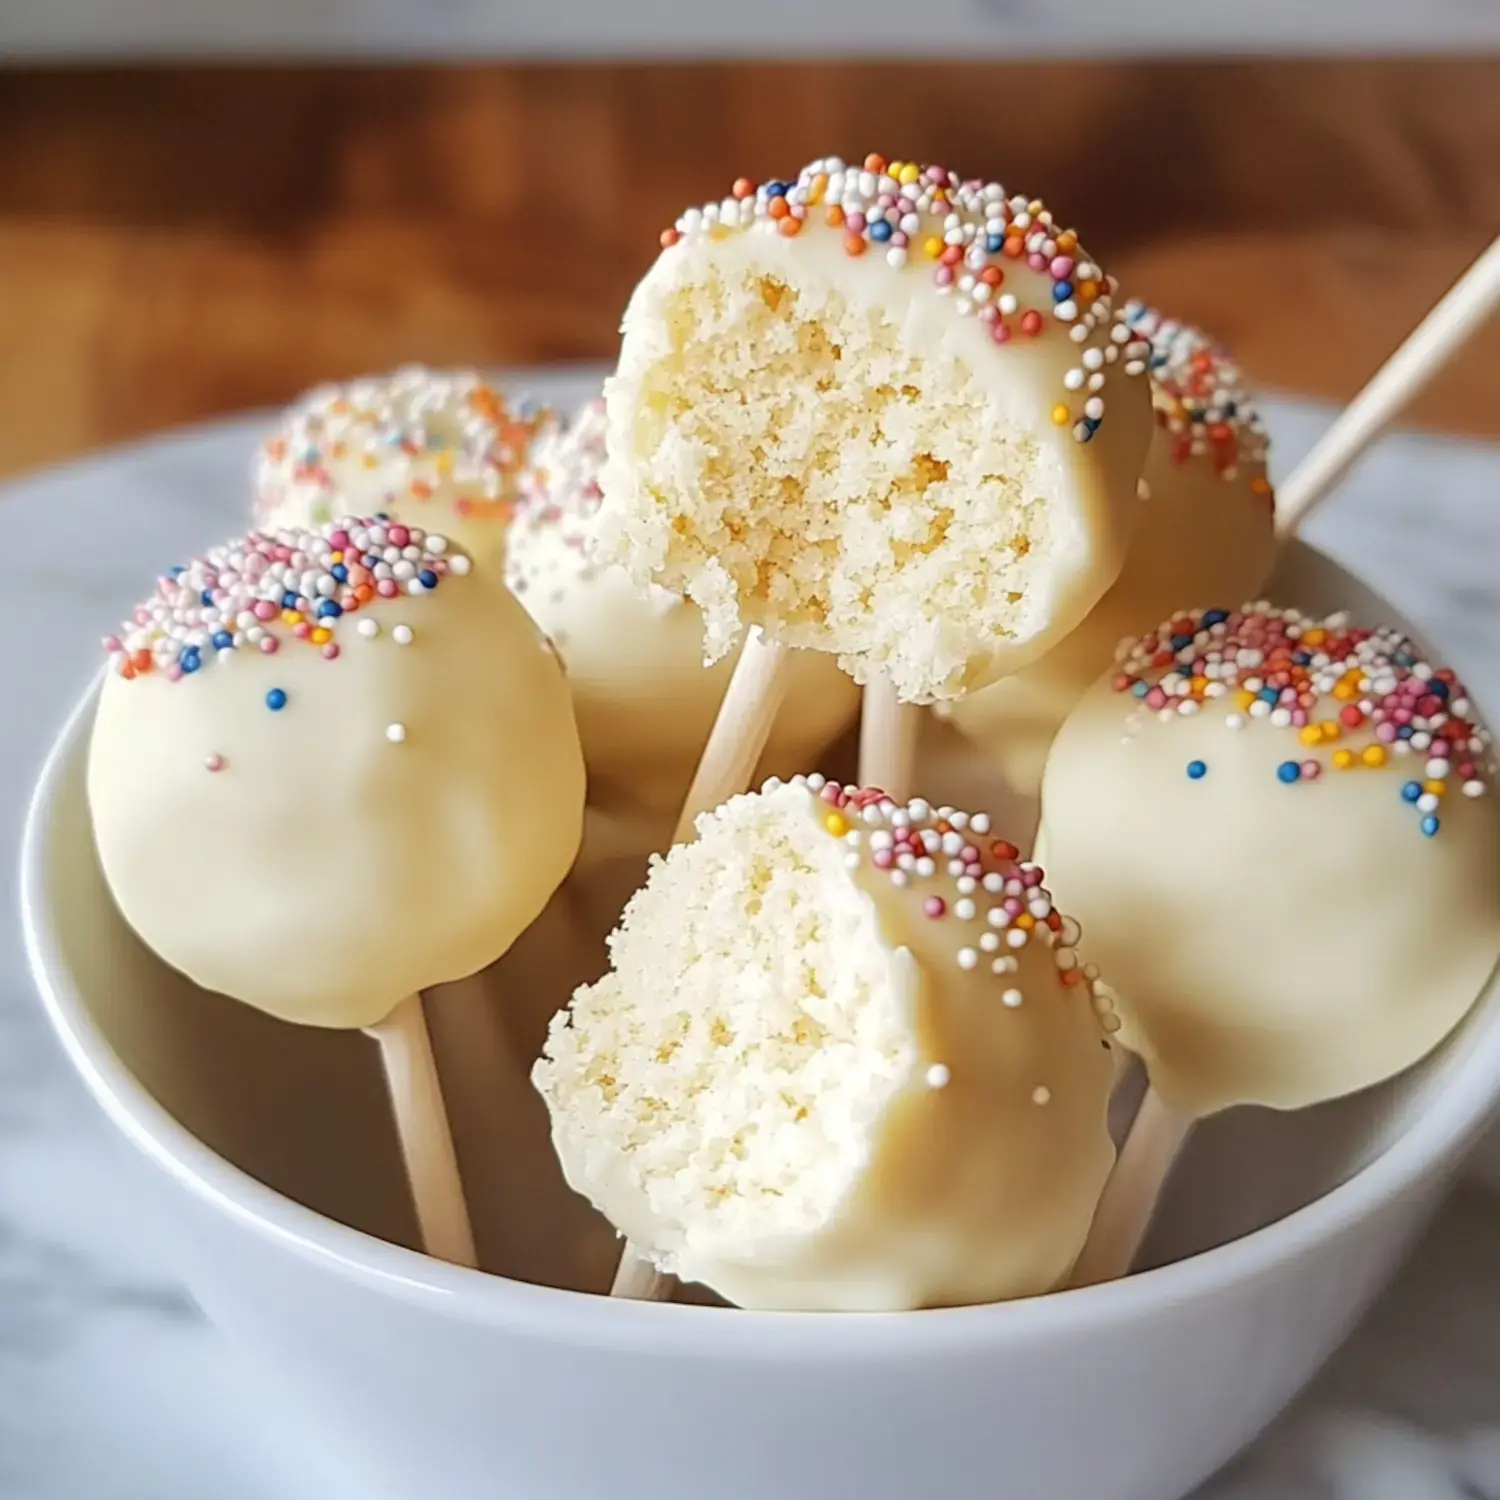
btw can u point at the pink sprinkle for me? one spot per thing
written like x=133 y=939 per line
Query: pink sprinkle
x=943 y=276
x=1401 y=715
x=1013 y=906
x=339 y=540
x=269 y=645
x=1311 y=770
x=330 y=651
x=302 y=630
x=1037 y=261
x=174 y=673
x=264 y=609
x=1000 y=332
x=1299 y=718
x=398 y=536
x=855 y=223
x=1385 y=733
x=1030 y=877
x=1439 y=750
x=1466 y=770
x=386 y=588
x=1061 y=267
x=934 y=906
x=214 y=763
x=883 y=859
x=832 y=793
x=899 y=241
x=113 y=643
x=1156 y=698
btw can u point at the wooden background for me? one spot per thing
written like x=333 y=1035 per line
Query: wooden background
x=185 y=242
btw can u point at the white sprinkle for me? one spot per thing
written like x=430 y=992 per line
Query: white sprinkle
x=938 y=1076
x=967 y=958
x=966 y=885
x=1437 y=768
x=963 y=909
x=459 y=563
x=1041 y=1095
x=989 y=942
x=1473 y=789
x=1011 y=998
x=980 y=822
x=1427 y=803
x=395 y=733
x=1016 y=938
x=401 y=634
x=369 y=628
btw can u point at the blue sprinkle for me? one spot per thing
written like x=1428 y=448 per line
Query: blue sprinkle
x=223 y=640
x=994 y=243
x=1179 y=641
x=1196 y=770
x=276 y=700
x=1438 y=689
x=289 y=600
x=189 y=659
x=1215 y=616
x=328 y=610
x=1430 y=825
x=1061 y=290
x=427 y=578
x=1140 y=689
x=1301 y=658
x=177 y=570
x=340 y=572
x=1289 y=771
x=880 y=231
x=1269 y=695
x=1405 y=732
x=1411 y=791
x=776 y=190
x=1090 y=427
x=207 y=596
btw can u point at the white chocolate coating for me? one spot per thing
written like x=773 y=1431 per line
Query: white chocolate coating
x=437 y=449
x=644 y=700
x=837 y=449
x=804 y=1087
x=1271 y=942
x=396 y=824
x=1204 y=538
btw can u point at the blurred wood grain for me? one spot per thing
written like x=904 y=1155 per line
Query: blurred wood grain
x=184 y=242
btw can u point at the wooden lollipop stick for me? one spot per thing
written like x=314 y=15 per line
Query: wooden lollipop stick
x=422 y=1126
x=1467 y=307
x=887 y=739
x=741 y=730
x=639 y=1280
x=1132 y=1192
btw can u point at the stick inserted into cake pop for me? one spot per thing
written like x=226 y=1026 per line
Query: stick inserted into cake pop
x=1466 y=307
x=330 y=768
x=877 y=411
x=1279 y=836
x=846 y=1057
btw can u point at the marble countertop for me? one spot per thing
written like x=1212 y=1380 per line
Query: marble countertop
x=112 y=1387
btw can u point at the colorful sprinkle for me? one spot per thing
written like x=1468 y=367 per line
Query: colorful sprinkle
x=422 y=433
x=276 y=700
x=960 y=232
x=939 y=1076
x=1196 y=770
x=266 y=588
x=1322 y=681
x=214 y=762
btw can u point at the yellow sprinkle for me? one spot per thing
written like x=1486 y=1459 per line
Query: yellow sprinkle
x=1243 y=700
x=1312 y=637
x=1061 y=416
x=819 y=187
x=1311 y=735
x=1436 y=788
x=337 y=557
x=1345 y=691
x=291 y=617
x=909 y=174
x=1332 y=729
x=1373 y=755
x=932 y=247
x=837 y=824
x=1197 y=685
x=1026 y=921
x=321 y=636
x=1342 y=759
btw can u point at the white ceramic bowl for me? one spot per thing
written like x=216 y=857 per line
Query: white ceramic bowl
x=270 y=1149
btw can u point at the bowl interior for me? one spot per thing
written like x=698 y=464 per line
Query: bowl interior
x=304 y=1111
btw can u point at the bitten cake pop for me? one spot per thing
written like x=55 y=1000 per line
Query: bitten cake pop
x=440 y=449
x=1278 y=835
x=879 y=411
x=1204 y=535
x=845 y=1057
x=644 y=700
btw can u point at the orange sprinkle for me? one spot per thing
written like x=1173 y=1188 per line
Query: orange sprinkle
x=1071 y=976
x=669 y=237
x=364 y=593
x=743 y=187
x=854 y=244
x=992 y=276
x=779 y=208
x=1026 y=921
x=834 y=216
x=874 y=163
x=789 y=227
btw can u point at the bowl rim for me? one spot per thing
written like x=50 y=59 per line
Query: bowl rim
x=1434 y=1142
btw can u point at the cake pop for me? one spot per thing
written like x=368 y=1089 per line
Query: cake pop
x=644 y=700
x=440 y=449
x=881 y=412
x=1278 y=835
x=332 y=767
x=845 y=1057
x=1204 y=535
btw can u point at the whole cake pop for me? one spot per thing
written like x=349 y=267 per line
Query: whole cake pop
x=644 y=700
x=1279 y=837
x=845 y=1058
x=879 y=411
x=440 y=449
x=1204 y=534
x=332 y=767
